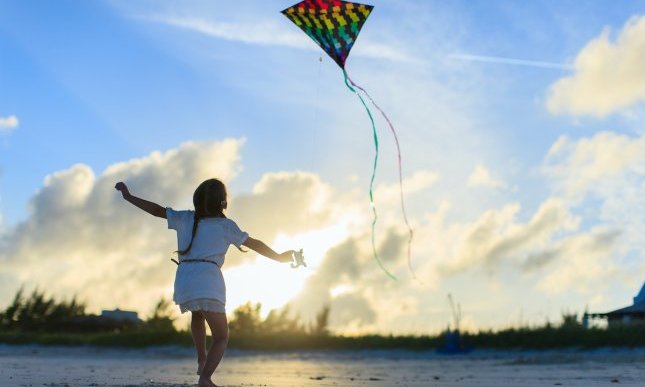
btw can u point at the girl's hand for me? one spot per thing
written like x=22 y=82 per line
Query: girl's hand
x=287 y=256
x=120 y=186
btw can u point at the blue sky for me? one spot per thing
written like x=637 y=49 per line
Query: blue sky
x=97 y=82
x=470 y=86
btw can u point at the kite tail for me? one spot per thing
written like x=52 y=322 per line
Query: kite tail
x=398 y=150
x=374 y=217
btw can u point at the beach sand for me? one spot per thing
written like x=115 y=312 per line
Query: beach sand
x=173 y=366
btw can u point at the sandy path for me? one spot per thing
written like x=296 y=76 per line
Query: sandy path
x=162 y=367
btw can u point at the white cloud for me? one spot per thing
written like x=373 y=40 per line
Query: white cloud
x=481 y=177
x=583 y=260
x=510 y=61
x=608 y=76
x=389 y=194
x=287 y=203
x=545 y=250
x=600 y=164
x=8 y=124
x=275 y=34
x=349 y=265
x=496 y=237
x=604 y=175
x=82 y=238
x=264 y=33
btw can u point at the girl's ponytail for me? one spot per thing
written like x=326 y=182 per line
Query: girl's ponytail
x=192 y=238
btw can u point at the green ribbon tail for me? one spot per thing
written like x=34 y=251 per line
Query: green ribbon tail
x=374 y=215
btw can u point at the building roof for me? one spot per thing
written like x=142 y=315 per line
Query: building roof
x=639 y=308
x=640 y=298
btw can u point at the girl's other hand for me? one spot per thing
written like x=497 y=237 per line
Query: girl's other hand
x=287 y=256
x=120 y=186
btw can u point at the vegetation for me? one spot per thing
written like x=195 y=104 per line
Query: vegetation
x=39 y=319
x=39 y=313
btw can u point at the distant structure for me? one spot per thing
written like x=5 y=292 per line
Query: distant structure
x=109 y=321
x=634 y=314
x=454 y=344
x=121 y=315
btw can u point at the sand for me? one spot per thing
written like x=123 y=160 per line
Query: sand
x=172 y=366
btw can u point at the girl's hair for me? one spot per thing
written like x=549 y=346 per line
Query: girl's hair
x=209 y=200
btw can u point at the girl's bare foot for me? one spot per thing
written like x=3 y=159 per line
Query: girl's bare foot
x=206 y=383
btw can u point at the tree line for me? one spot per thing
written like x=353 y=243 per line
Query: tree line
x=37 y=312
x=40 y=319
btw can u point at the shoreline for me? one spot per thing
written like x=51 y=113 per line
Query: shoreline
x=180 y=352
x=174 y=366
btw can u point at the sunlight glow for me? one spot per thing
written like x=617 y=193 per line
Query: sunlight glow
x=272 y=284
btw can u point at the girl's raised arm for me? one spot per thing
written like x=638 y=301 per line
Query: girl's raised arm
x=261 y=248
x=149 y=207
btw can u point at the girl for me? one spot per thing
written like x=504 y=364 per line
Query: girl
x=203 y=236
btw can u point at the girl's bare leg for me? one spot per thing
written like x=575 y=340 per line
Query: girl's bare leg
x=219 y=329
x=198 y=330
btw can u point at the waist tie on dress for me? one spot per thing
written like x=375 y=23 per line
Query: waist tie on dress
x=193 y=261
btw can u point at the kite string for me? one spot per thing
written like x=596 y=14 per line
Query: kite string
x=316 y=127
x=374 y=215
x=398 y=150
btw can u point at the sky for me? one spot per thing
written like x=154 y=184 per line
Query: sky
x=521 y=133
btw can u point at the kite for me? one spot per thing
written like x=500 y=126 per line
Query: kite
x=334 y=25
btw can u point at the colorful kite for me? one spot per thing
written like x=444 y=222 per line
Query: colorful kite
x=334 y=25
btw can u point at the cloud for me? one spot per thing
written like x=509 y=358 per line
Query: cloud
x=263 y=33
x=605 y=172
x=294 y=200
x=339 y=266
x=417 y=183
x=578 y=249
x=81 y=237
x=496 y=237
x=349 y=280
x=608 y=75
x=597 y=164
x=284 y=202
x=481 y=177
x=583 y=260
x=274 y=34
x=510 y=61
x=8 y=124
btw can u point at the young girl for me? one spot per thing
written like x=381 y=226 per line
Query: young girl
x=203 y=236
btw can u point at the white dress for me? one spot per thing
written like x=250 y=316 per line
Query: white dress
x=200 y=285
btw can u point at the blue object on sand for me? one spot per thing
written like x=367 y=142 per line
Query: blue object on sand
x=454 y=345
